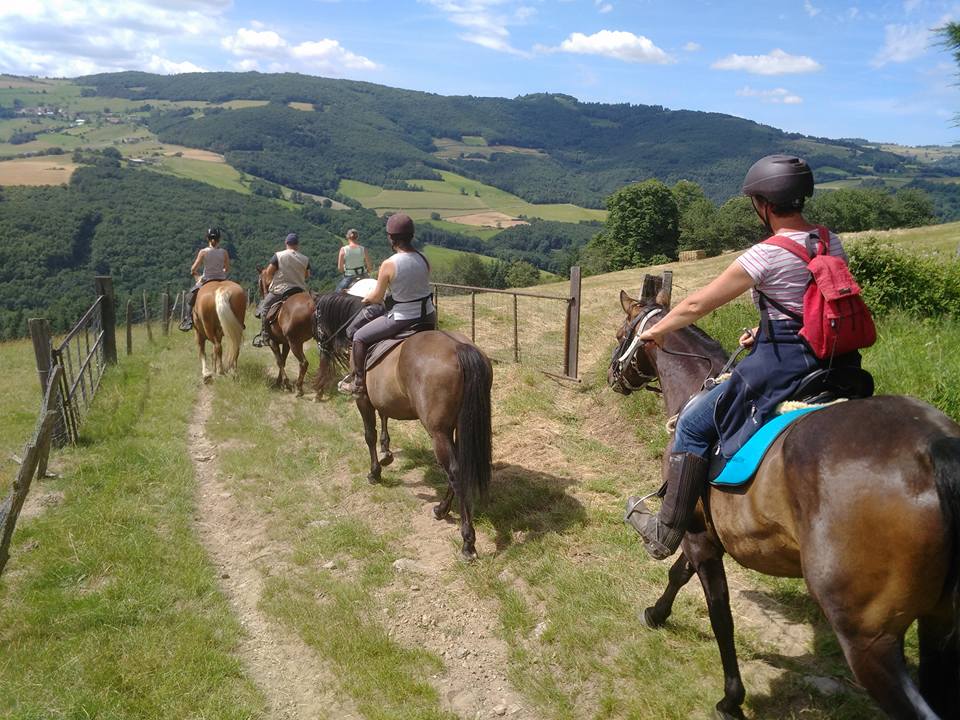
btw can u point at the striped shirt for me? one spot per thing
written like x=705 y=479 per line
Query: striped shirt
x=781 y=275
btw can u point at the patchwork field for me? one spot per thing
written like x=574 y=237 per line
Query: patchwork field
x=47 y=170
x=455 y=196
x=474 y=145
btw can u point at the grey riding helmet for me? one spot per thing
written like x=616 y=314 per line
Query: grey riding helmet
x=783 y=180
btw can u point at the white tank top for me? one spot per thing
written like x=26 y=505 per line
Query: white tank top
x=409 y=285
x=214 y=262
x=353 y=259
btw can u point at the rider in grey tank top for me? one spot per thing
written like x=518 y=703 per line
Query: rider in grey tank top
x=214 y=262
x=409 y=286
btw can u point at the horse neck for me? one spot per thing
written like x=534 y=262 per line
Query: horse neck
x=681 y=376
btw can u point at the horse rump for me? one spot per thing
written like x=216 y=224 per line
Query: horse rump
x=473 y=443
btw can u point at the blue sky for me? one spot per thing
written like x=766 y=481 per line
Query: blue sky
x=835 y=69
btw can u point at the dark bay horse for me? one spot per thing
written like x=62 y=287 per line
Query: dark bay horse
x=861 y=499
x=291 y=328
x=217 y=313
x=436 y=377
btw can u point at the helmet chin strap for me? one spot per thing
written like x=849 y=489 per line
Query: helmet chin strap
x=765 y=215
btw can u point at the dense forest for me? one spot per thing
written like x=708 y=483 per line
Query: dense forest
x=380 y=134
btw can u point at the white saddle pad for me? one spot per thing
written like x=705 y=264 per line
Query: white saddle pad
x=362 y=287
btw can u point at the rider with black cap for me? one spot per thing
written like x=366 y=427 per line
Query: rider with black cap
x=215 y=263
x=286 y=275
x=732 y=411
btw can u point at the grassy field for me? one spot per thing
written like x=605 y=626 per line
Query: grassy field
x=456 y=195
x=943 y=238
x=218 y=174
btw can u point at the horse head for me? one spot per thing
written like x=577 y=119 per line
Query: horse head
x=261 y=281
x=633 y=364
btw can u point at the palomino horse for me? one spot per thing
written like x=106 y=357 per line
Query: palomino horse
x=219 y=311
x=290 y=329
x=861 y=499
x=438 y=378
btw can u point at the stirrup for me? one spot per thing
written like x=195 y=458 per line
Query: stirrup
x=186 y=325
x=257 y=341
x=660 y=540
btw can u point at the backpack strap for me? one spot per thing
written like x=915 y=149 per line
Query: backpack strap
x=790 y=246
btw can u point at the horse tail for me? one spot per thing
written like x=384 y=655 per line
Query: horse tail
x=473 y=423
x=231 y=325
x=945 y=453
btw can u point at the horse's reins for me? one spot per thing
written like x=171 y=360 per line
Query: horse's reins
x=327 y=339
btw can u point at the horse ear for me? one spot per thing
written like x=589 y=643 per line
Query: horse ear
x=626 y=301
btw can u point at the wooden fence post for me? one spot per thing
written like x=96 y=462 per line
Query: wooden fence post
x=666 y=289
x=165 y=311
x=129 y=326
x=146 y=317
x=571 y=335
x=42 y=349
x=108 y=317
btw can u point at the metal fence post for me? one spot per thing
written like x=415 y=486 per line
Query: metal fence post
x=516 y=332
x=571 y=335
x=108 y=317
x=473 y=317
x=129 y=326
x=146 y=317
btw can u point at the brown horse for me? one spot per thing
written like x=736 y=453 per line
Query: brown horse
x=290 y=329
x=219 y=311
x=438 y=378
x=861 y=499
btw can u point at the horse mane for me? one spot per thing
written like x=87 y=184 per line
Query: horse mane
x=710 y=344
x=333 y=313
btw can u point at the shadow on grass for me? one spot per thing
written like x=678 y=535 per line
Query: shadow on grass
x=520 y=501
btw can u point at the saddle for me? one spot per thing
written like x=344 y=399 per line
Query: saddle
x=383 y=348
x=817 y=390
x=274 y=309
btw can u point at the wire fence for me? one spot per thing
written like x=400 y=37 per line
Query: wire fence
x=518 y=326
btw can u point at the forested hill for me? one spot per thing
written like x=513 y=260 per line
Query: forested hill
x=545 y=148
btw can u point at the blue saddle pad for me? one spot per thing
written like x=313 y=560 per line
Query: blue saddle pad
x=741 y=468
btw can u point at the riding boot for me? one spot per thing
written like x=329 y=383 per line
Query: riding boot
x=186 y=324
x=358 y=359
x=662 y=532
x=260 y=339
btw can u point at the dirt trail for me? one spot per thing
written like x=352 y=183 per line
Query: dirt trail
x=296 y=683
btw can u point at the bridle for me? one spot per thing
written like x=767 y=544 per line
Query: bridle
x=625 y=356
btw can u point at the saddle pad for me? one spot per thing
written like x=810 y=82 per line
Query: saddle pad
x=362 y=287
x=741 y=468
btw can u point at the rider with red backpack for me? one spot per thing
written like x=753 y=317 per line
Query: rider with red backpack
x=812 y=316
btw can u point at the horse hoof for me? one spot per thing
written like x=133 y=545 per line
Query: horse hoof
x=720 y=714
x=373 y=478
x=648 y=620
x=468 y=556
x=386 y=459
x=207 y=379
x=437 y=514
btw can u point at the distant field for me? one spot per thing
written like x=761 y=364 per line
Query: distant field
x=442 y=259
x=933 y=238
x=473 y=145
x=218 y=174
x=305 y=106
x=456 y=195
x=854 y=181
x=241 y=104
x=925 y=153
x=478 y=232
x=46 y=170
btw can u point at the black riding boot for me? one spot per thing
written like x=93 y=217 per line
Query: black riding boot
x=358 y=359
x=261 y=337
x=186 y=319
x=662 y=533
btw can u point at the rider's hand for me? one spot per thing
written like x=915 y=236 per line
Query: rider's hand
x=748 y=337
x=651 y=336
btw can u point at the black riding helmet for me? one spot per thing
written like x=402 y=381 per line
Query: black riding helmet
x=213 y=233
x=784 y=181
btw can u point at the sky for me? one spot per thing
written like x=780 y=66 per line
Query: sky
x=871 y=70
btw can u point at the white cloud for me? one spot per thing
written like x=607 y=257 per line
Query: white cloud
x=811 y=10
x=776 y=62
x=603 y=7
x=486 y=22
x=617 y=44
x=75 y=37
x=266 y=49
x=691 y=46
x=776 y=95
x=902 y=43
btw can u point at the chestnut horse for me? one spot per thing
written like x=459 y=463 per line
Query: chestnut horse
x=219 y=311
x=861 y=499
x=439 y=378
x=290 y=329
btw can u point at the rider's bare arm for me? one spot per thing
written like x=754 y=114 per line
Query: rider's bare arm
x=194 y=269
x=226 y=263
x=384 y=276
x=340 y=261
x=268 y=272
x=731 y=283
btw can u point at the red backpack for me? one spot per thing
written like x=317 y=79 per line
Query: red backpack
x=835 y=318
